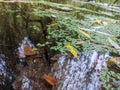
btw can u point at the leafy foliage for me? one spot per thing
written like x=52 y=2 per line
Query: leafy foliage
x=68 y=28
x=107 y=77
x=67 y=31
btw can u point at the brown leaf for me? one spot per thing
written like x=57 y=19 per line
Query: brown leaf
x=113 y=61
x=51 y=80
x=28 y=51
x=80 y=42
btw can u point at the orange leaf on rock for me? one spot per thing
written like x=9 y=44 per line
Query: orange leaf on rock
x=52 y=81
x=28 y=50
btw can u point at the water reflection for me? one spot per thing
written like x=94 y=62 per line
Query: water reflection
x=7 y=74
x=31 y=69
x=80 y=74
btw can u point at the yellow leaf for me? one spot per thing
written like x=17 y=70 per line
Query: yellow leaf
x=52 y=25
x=80 y=42
x=98 y=21
x=72 y=50
x=113 y=61
x=83 y=32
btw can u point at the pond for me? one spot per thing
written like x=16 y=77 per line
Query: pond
x=56 y=46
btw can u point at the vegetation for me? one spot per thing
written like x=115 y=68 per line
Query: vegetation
x=99 y=32
x=68 y=28
x=109 y=77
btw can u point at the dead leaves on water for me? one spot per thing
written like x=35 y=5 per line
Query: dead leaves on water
x=49 y=79
x=26 y=51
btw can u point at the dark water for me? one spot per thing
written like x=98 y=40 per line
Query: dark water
x=8 y=65
x=31 y=69
x=7 y=73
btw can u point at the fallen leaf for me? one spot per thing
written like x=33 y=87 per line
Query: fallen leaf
x=83 y=32
x=98 y=21
x=28 y=51
x=52 y=25
x=80 y=42
x=113 y=61
x=51 y=80
x=72 y=50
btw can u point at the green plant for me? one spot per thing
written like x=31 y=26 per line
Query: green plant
x=107 y=77
x=64 y=29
